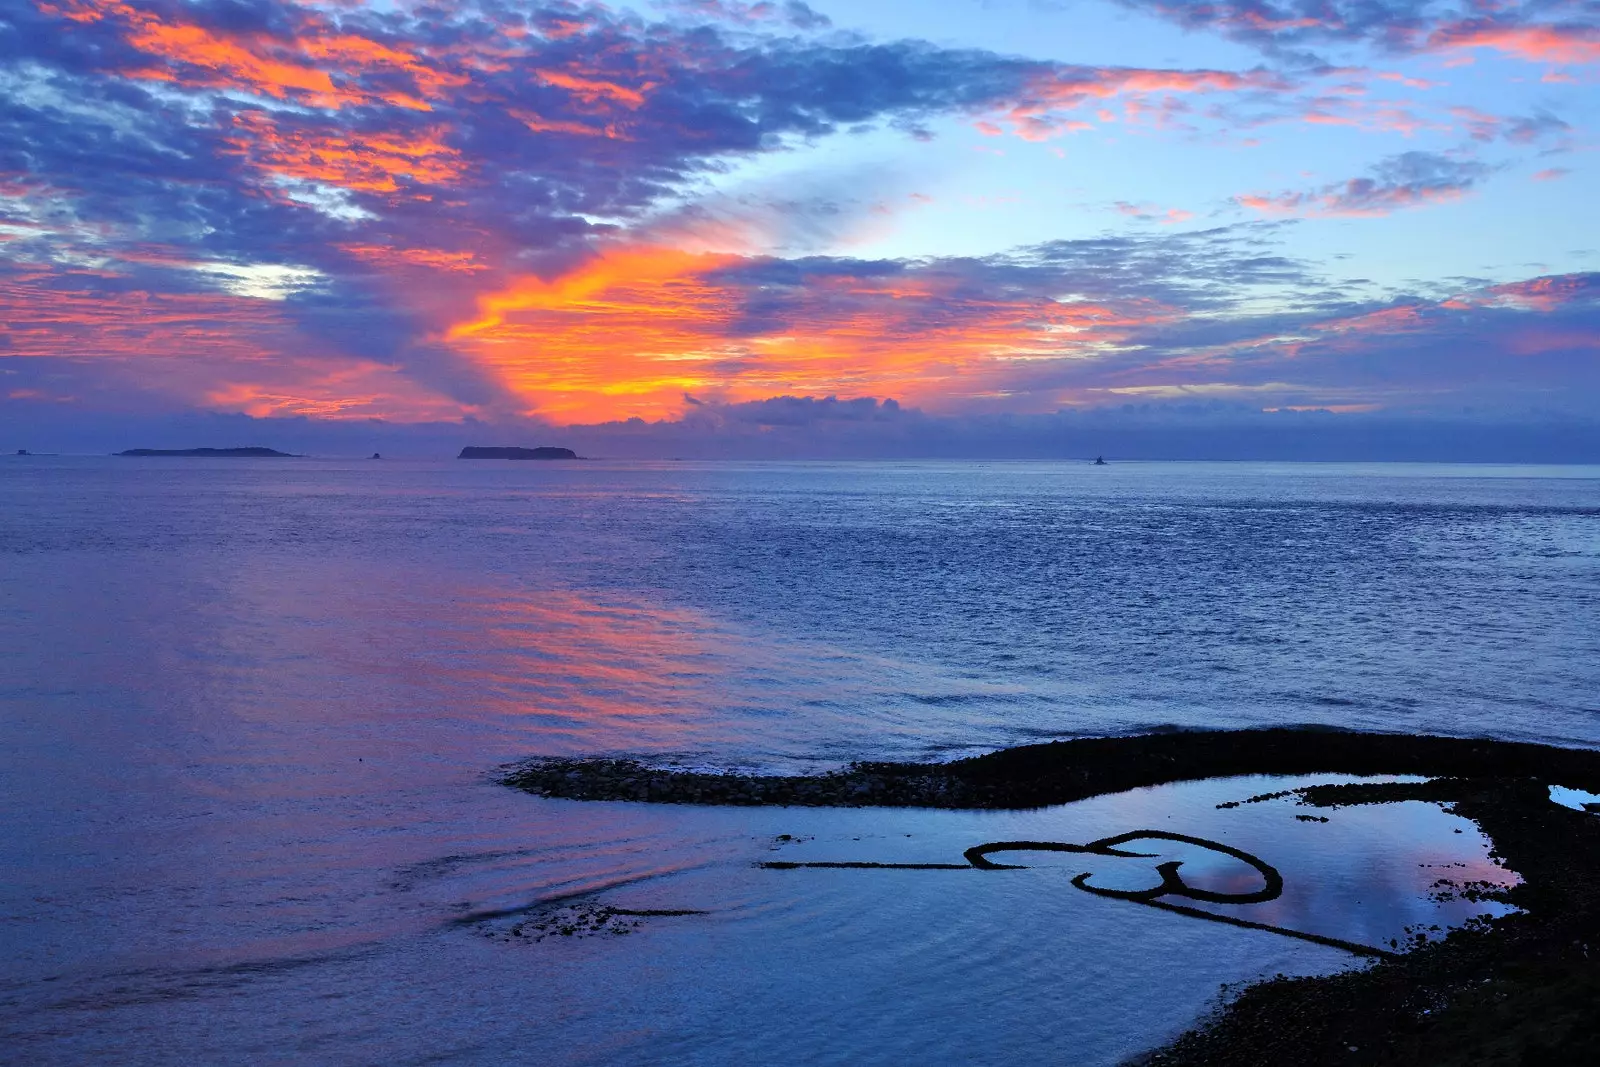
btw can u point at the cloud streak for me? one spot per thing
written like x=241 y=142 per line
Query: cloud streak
x=1412 y=179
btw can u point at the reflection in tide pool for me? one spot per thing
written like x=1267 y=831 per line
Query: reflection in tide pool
x=249 y=713
x=1576 y=799
x=1370 y=875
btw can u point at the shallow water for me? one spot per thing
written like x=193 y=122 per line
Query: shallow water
x=248 y=711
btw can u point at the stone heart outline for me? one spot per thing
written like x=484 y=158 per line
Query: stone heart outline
x=1172 y=883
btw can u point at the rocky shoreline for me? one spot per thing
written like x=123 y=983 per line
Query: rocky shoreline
x=1523 y=989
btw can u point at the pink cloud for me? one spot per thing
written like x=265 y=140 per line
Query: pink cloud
x=1535 y=43
x=1151 y=213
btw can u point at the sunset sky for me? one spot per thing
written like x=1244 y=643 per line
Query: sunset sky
x=534 y=214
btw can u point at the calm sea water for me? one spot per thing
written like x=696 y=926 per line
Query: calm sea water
x=248 y=711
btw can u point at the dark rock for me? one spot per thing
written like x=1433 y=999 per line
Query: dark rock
x=231 y=452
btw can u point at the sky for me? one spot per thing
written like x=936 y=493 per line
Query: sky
x=775 y=227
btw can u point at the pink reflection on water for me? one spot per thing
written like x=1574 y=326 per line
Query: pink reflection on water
x=564 y=673
x=557 y=653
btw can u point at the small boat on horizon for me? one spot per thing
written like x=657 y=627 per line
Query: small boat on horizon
x=1100 y=461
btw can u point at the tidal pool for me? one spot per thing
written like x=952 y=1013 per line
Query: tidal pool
x=898 y=964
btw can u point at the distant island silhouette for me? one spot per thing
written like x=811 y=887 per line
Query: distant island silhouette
x=543 y=452
x=207 y=452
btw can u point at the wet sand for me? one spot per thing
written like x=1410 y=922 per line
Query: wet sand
x=1521 y=988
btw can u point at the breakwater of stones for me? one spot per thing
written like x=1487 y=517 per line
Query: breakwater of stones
x=1064 y=771
x=862 y=785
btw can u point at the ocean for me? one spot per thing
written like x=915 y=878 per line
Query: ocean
x=251 y=712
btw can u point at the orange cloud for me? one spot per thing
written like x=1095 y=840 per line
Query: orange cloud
x=370 y=163
x=632 y=330
x=91 y=322
x=594 y=91
x=207 y=349
x=577 y=129
x=322 y=67
x=431 y=258
x=337 y=389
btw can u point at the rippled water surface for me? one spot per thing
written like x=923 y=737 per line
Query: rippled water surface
x=248 y=711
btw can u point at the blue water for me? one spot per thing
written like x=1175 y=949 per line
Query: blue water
x=248 y=710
